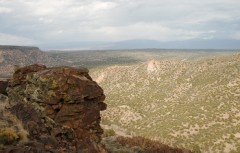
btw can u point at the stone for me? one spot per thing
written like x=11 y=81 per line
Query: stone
x=59 y=107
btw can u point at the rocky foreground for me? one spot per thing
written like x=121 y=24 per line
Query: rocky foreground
x=52 y=110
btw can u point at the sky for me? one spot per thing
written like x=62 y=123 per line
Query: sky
x=44 y=22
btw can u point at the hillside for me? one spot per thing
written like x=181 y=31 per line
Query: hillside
x=192 y=103
x=21 y=56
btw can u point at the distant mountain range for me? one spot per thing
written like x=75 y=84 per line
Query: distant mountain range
x=146 y=43
x=186 y=44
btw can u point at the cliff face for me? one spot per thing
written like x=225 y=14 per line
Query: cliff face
x=59 y=108
x=18 y=55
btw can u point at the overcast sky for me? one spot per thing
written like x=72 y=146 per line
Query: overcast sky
x=33 y=22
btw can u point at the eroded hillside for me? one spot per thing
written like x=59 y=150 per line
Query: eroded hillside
x=11 y=56
x=183 y=103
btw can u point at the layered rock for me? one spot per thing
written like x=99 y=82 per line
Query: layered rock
x=60 y=108
x=22 y=56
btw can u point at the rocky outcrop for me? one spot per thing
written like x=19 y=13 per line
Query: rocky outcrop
x=59 y=107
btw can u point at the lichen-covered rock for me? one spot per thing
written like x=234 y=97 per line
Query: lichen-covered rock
x=60 y=107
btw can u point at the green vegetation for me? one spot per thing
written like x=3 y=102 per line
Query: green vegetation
x=138 y=144
x=113 y=146
x=148 y=146
x=196 y=149
x=108 y=133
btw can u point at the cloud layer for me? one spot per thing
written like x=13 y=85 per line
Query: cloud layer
x=25 y=22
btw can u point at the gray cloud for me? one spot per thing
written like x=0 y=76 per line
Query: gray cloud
x=59 y=21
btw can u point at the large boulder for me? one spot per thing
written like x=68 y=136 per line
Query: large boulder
x=60 y=107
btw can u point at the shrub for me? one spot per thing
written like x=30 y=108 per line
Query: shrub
x=149 y=146
x=108 y=133
x=9 y=136
x=196 y=149
x=112 y=146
